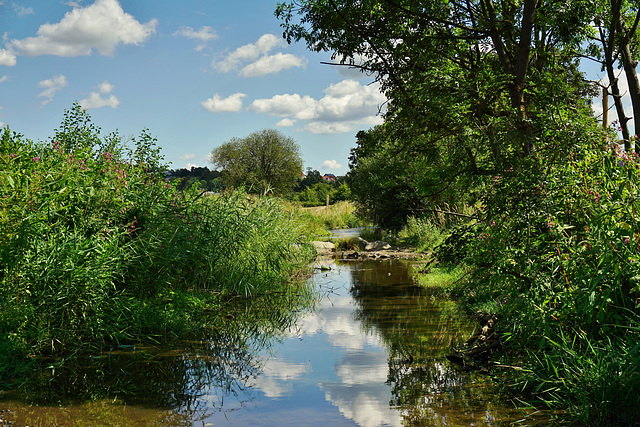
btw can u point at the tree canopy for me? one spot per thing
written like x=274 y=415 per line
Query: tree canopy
x=264 y=161
x=475 y=88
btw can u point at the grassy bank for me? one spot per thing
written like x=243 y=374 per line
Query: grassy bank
x=318 y=221
x=97 y=248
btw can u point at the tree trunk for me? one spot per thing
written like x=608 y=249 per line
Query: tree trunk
x=629 y=65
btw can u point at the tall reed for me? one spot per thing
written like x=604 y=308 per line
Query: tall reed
x=93 y=238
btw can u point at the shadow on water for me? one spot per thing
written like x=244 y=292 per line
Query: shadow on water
x=365 y=348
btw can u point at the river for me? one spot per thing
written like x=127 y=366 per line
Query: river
x=366 y=350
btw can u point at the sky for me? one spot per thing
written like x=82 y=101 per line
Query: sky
x=195 y=73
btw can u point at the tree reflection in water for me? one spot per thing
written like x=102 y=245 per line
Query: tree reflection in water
x=418 y=330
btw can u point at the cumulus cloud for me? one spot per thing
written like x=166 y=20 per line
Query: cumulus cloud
x=254 y=59
x=51 y=87
x=101 y=26
x=7 y=57
x=272 y=64
x=188 y=156
x=285 y=123
x=330 y=164
x=283 y=105
x=350 y=68
x=217 y=104
x=202 y=35
x=98 y=99
x=4 y=79
x=191 y=166
x=346 y=106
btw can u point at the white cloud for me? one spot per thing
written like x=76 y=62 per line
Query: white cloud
x=203 y=35
x=191 y=165
x=257 y=58
x=284 y=105
x=105 y=87
x=189 y=156
x=330 y=164
x=231 y=104
x=277 y=376
x=51 y=87
x=7 y=57
x=351 y=72
x=285 y=123
x=4 y=79
x=324 y=128
x=346 y=106
x=96 y=99
x=272 y=64
x=22 y=11
x=101 y=26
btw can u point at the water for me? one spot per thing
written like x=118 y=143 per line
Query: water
x=369 y=353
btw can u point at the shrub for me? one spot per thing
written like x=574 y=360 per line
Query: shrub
x=557 y=258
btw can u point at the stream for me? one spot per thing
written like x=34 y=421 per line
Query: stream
x=366 y=350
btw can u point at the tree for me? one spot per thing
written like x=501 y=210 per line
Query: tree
x=313 y=177
x=264 y=161
x=482 y=87
x=617 y=25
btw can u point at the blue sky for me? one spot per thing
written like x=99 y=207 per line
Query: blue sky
x=195 y=73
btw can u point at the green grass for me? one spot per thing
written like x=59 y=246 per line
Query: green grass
x=318 y=221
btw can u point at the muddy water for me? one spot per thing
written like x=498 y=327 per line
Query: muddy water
x=369 y=352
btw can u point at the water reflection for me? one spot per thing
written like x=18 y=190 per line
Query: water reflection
x=369 y=354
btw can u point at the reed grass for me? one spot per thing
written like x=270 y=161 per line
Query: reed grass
x=94 y=241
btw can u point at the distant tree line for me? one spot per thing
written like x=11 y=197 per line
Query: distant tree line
x=310 y=190
x=201 y=177
x=313 y=189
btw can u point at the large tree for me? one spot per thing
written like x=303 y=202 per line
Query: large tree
x=482 y=86
x=264 y=161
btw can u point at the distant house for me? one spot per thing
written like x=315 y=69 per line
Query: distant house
x=329 y=177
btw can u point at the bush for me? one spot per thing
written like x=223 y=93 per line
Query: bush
x=422 y=234
x=557 y=258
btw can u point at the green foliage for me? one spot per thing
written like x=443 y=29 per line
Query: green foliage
x=265 y=161
x=91 y=239
x=557 y=258
x=313 y=190
x=312 y=178
x=422 y=234
x=319 y=221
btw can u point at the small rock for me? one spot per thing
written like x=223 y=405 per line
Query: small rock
x=324 y=246
x=378 y=245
